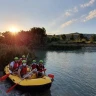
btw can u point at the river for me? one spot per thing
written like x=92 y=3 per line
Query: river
x=74 y=71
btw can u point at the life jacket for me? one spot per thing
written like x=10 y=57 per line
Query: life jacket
x=34 y=66
x=20 y=61
x=40 y=68
x=16 y=65
x=24 y=70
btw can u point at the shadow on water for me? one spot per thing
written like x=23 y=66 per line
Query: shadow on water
x=45 y=93
x=6 y=85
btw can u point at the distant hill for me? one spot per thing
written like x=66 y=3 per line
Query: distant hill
x=75 y=35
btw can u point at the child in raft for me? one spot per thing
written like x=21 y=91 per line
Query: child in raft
x=13 y=66
x=22 y=71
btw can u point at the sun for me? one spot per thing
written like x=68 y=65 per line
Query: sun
x=14 y=30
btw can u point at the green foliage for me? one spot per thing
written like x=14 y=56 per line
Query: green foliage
x=55 y=38
x=62 y=47
x=48 y=40
x=63 y=37
x=35 y=36
x=8 y=52
x=93 y=38
x=72 y=37
x=80 y=37
x=83 y=41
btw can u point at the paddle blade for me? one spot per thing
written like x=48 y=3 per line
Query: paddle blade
x=11 y=88
x=4 y=77
x=51 y=76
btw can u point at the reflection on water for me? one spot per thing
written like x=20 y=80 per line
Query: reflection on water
x=75 y=73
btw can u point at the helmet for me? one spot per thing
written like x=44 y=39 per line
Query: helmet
x=24 y=61
x=16 y=58
x=41 y=61
x=34 y=61
x=23 y=56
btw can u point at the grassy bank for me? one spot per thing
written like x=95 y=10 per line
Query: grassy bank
x=8 y=52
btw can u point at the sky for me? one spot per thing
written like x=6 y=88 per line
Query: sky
x=56 y=16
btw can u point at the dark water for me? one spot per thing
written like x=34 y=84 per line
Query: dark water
x=75 y=73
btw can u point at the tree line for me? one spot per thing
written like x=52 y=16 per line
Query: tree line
x=80 y=38
x=37 y=37
x=34 y=37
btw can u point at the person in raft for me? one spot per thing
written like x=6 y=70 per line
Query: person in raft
x=22 y=71
x=40 y=69
x=23 y=58
x=34 y=67
x=13 y=66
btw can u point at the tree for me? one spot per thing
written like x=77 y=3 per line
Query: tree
x=63 y=37
x=93 y=38
x=80 y=37
x=55 y=38
x=72 y=37
x=35 y=36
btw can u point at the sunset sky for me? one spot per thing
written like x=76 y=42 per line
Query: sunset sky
x=57 y=16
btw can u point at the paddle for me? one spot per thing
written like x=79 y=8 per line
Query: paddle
x=11 y=88
x=51 y=76
x=4 y=77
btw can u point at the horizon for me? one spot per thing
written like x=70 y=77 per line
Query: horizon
x=57 y=17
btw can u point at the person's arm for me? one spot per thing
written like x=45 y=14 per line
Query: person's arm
x=44 y=69
x=11 y=66
x=30 y=66
x=19 y=70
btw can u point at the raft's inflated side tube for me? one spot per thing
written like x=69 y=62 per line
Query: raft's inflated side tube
x=45 y=81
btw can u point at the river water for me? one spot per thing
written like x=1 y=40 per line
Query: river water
x=74 y=71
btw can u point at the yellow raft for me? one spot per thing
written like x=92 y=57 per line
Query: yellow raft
x=34 y=83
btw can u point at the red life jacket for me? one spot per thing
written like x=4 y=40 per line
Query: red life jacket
x=40 y=68
x=34 y=66
x=16 y=65
x=24 y=70
x=20 y=61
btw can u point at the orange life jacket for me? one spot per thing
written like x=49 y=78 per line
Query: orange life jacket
x=24 y=70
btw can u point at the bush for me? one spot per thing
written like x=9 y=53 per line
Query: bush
x=8 y=52
x=62 y=47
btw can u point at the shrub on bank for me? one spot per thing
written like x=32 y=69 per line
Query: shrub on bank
x=8 y=52
x=62 y=47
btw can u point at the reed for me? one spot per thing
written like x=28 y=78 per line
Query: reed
x=8 y=52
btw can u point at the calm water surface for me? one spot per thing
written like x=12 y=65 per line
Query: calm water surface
x=75 y=73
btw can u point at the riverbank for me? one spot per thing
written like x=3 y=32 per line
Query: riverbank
x=68 y=46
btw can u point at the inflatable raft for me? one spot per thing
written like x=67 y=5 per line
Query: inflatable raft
x=29 y=84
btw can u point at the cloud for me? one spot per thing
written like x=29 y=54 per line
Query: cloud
x=68 y=23
x=87 y=4
x=91 y=15
x=75 y=9
x=67 y=14
x=63 y=16
x=71 y=11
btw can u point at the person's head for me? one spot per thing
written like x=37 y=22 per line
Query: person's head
x=23 y=56
x=41 y=62
x=16 y=59
x=34 y=61
x=24 y=62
